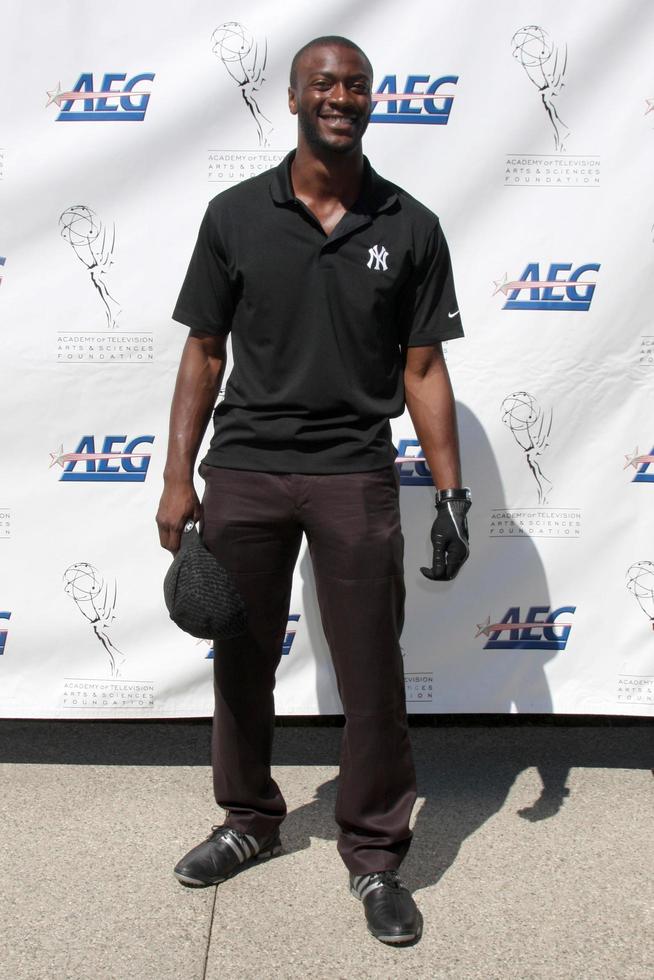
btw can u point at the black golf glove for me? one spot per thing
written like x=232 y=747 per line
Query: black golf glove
x=449 y=535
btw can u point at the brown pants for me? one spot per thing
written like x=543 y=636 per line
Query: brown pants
x=253 y=523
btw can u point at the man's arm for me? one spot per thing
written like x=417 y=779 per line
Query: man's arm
x=430 y=402
x=198 y=382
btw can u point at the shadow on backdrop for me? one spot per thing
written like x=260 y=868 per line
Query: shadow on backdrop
x=473 y=674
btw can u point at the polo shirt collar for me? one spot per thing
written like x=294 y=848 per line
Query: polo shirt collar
x=376 y=194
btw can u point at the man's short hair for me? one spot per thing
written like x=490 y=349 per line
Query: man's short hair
x=326 y=41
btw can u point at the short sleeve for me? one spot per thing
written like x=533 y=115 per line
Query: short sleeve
x=429 y=307
x=205 y=301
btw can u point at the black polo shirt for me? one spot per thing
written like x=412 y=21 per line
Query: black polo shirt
x=318 y=323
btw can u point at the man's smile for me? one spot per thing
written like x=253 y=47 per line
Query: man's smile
x=338 y=120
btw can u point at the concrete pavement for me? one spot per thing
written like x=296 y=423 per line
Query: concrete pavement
x=533 y=857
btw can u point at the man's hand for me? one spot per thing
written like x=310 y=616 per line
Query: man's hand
x=449 y=538
x=179 y=503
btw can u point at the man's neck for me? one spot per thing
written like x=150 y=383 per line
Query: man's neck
x=321 y=178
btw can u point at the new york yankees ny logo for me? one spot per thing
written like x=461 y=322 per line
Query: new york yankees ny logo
x=378 y=255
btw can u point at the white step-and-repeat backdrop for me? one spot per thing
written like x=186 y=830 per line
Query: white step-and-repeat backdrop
x=529 y=128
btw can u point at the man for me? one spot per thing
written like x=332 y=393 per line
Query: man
x=337 y=289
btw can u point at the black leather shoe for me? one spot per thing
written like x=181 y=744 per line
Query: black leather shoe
x=221 y=854
x=391 y=913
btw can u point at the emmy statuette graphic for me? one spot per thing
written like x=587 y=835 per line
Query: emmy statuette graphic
x=545 y=64
x=640 y=582
x=245 y=60
x=96 y=600
x=530 y=426
x=93 y=245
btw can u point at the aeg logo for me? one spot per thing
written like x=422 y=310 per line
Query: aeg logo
x=3 y=633
x=551 y=293
x=426 y=105
x=412 y=465
x=110 y=465
x=106 y=104
x=641 y=464
x=538 y=631
x=287 y=643
x=289 y=636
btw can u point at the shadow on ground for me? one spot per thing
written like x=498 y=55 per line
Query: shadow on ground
x=465 y=776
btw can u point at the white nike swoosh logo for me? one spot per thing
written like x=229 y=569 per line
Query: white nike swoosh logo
x=450 y=315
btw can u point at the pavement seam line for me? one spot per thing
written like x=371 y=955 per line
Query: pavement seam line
x=206 y=952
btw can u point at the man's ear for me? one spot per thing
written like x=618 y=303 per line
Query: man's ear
x=292 y=101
